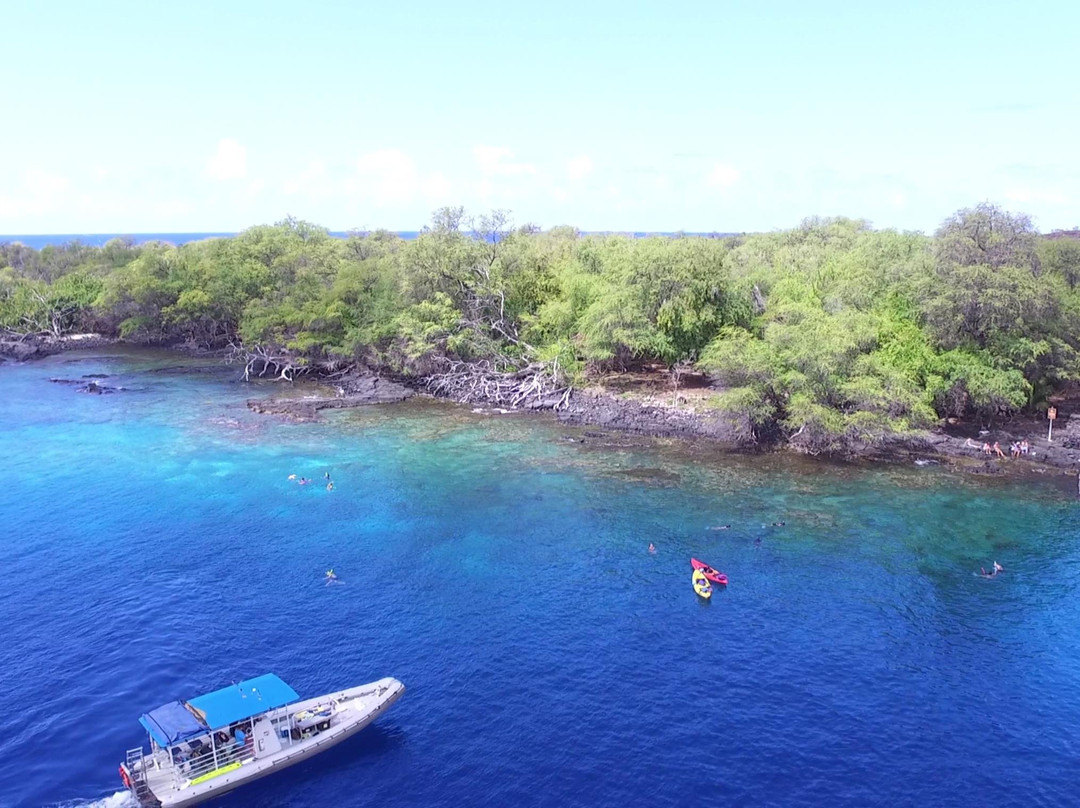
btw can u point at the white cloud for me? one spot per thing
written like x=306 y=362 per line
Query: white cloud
x=39 y=192
x=1033 y=195
x=498 y=161
x=42 y=185
x=437 y=189
x=99 y=204
x=170 y=209
x=484 y=190
x=579 y=167
x=387 y=175
x=229 y=162
x=390 y=176
x=723 y=175
x=311 y=179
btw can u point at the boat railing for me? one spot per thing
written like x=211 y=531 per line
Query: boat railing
x=209 y=762
x=135 y=765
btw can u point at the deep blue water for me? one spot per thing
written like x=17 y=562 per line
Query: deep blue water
x=154 y=549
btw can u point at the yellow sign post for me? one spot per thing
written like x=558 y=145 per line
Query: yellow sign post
x=1052 y=415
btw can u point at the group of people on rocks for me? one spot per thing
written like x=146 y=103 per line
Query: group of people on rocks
x=1018 y=448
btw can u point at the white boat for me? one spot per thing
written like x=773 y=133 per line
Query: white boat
x=209 y=745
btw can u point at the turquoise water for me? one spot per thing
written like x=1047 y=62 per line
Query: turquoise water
x=153 y=548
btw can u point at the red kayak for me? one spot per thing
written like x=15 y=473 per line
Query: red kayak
x=710 y=573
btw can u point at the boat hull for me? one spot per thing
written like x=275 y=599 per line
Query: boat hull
x=702 y=585
x=366 y=702
x=714 y=576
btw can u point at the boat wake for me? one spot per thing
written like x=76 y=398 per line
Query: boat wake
x=121 y=799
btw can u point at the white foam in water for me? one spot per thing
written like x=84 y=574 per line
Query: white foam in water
x=121 y=799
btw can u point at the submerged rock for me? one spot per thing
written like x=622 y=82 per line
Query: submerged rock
x=97 y=389
x=357 y=392
x=93 y=386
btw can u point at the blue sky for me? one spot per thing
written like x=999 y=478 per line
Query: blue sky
x=141 y=117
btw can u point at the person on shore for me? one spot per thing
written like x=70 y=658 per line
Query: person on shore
x=986 y=449
x=652 y=547
x=997 y=449
x=1014 y=449
x=1025 y=447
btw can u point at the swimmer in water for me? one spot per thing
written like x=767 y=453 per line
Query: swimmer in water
x=721 y=527
x=329 y=486
x=303 y=481
x=994 y=570
x=292 y=476
x=331 y=577
x=652 y=547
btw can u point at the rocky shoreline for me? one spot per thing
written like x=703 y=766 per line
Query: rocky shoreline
x=600 y=410
x=27 y=348
x=589 y=408
x=603 y=410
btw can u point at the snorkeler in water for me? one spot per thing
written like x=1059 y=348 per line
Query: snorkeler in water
x=331 y=577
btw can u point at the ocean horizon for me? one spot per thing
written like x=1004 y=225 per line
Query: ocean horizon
x=42 y=240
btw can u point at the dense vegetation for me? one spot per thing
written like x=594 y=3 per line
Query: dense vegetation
x=822 y=335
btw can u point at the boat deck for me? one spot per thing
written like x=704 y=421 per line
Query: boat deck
x=188 y=773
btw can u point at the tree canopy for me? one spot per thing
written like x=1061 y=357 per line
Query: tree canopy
x=824 y=334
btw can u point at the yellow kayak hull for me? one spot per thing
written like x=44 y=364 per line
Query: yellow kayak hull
x=702 y=585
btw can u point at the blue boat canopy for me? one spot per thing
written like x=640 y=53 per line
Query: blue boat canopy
x=177 y=721
x=171 y=723
x=243 y=700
